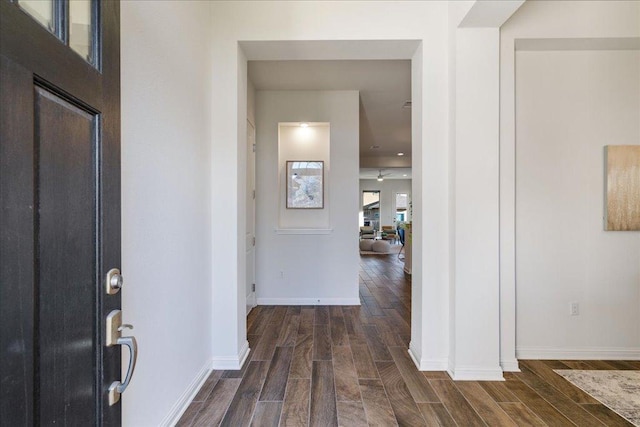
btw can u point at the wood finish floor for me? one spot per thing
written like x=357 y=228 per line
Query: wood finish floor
x=349 y=366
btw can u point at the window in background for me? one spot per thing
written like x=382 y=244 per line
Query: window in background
x=371 y=209
x=402 y=204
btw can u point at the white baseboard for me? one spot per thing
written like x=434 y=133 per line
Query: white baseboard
x=426 y=364
x=231 y=362
x=473 y=373
x=185 y=399
x=602 y=353
x=415 y=355
x=308 y=301
x=251 y=301
x=510 y=365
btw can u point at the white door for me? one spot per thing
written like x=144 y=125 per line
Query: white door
x=251 y=217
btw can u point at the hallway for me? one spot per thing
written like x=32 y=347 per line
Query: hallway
x=349 y=366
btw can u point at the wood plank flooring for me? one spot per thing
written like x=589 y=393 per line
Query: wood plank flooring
x=349 y=366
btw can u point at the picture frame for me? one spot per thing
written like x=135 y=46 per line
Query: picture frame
x=305 y=184
x=622 y=188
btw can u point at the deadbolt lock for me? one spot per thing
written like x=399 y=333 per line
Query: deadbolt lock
x=114 y=281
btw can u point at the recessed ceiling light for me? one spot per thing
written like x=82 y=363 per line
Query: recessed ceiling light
x=400 y=154
x=304 y=125
x=404 y=174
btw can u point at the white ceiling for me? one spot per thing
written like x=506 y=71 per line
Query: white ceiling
x=384 y=87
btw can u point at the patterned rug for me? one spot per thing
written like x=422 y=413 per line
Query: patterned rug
x=619 y=390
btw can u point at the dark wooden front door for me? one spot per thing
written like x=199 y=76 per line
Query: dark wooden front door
x=59 y=210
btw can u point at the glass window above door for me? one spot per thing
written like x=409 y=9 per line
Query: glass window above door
x=81 y=28
x=73 y=22
x=43 y=11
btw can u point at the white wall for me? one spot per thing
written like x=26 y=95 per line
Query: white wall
x=560 y=24
x=388 y=190
x=310 y=143
x=165 y=203
x=569 y=105
x=308 y=268
x=475 y=314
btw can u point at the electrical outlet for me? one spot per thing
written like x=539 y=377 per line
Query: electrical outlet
x=574 y=309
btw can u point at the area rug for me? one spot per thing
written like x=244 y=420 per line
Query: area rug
x=619 y=390
x=393 y=250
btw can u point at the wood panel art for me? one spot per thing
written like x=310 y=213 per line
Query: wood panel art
x=622 y=198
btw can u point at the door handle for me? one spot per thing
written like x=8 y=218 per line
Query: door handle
x=114 y=332
x=117 y=388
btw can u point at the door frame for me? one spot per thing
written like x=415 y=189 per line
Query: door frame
x=251 y=209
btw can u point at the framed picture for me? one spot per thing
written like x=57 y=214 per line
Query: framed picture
x=305 y=184
x=622 y=192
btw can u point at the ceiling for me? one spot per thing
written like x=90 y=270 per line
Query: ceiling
x=384 y=85
x=388 y=173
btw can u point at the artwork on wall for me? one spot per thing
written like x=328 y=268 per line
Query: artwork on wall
x=622 y=198
x=305 y=184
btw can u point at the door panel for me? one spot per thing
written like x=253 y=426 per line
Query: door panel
x=60 y=221
x=66 y=258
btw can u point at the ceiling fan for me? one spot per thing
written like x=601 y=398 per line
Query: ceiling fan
x=381 y=175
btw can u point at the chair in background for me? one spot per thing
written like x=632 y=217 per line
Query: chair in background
x=401 y=236
x=389 y=233
x=366 y=232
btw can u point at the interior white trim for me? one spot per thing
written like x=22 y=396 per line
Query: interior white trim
x=602 y=353
x=608 y=43
x=185 y=399
x=308 y=301
x=432 y=364
x=510 y=365
x=426 y=364
x=472 y=373
x=251 y=301
x=290 y=50
x=304 y=230
x=230 y=362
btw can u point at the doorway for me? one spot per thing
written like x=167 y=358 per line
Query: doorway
x=429 y=316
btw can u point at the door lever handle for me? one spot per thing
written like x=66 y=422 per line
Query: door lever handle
x=114 y=328
x=117 y=388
